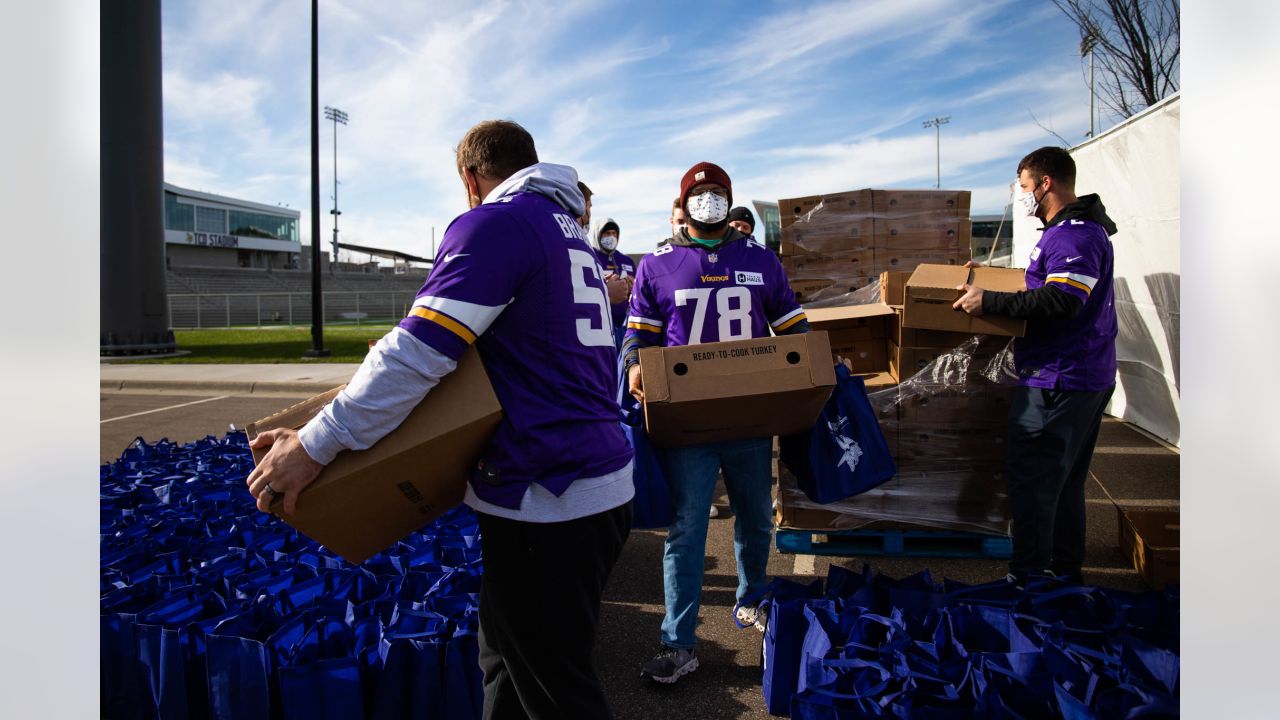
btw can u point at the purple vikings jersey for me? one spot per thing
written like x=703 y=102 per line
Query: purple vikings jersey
x=517 y=278
x=1077 y=353
x=687 y=296
x=616 y=263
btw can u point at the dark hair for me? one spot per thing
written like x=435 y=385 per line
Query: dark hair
x=496 y=149
x=1052 y=161
x=586 y=191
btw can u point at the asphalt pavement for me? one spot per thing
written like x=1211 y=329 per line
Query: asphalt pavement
x=188 y=402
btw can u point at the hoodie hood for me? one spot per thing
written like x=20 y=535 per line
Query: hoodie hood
x=598 y=227
x=559 y=183
x=1086 y=207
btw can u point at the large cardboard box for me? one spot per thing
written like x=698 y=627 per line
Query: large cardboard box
x=931 y=291
x=366 y=500
x=923 y=233
x=695 y=394
x=806 y=288
x=843 y=204
x=909 y=260
x=863 y=334
x=830 y=235
x=913 y=202
x=1150 y=539
x=843 y=263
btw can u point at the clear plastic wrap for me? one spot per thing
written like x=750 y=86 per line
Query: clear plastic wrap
x=836 y=245
x=946 y=428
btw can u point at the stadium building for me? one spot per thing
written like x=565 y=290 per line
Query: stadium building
x=206 y=230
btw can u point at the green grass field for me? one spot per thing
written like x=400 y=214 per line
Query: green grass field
x=271 y=345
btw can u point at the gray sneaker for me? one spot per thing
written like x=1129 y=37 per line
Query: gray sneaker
x=669 y=665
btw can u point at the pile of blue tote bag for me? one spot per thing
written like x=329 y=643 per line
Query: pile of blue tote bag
x=870 y=646
x=212 y=609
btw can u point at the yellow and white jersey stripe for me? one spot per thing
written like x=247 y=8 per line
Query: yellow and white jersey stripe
x=635 y=322
x=464 y=319
x=788 y=320
x=1075 y=280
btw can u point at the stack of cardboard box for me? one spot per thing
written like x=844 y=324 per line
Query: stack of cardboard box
x=838 y=243
x=942 y=396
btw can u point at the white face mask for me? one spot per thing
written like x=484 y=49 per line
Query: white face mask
x=608 y=242
x=1029 y=202
x=708 y=207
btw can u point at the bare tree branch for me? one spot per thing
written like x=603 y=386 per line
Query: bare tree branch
x=1049 y=130
x=1136 y=45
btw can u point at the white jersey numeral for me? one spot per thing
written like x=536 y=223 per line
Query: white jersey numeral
x=726 y=312
x=581 y=263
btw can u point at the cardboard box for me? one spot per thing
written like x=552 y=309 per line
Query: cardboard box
x=909 y=260
x=1150 y=539
x=893 y=285
x=835 y=235
x=366 y=500
x=806 y=288
x=696 y=394
x=862 y=334
x=844 y=204
x=870 y=320
x=931 y=291
x=865 y=356
x=844 y=263
x=887 y=203
x=924 y=233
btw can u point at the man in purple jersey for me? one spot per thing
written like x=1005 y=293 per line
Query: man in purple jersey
x=516 y=277
x=617 y=267
x=709 y=284
x=1066 y=364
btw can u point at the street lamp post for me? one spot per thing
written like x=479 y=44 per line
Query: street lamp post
x=937 y=123
x=337 y=116
x=1087 y=45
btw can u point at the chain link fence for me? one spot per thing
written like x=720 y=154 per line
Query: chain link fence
x=190 y=311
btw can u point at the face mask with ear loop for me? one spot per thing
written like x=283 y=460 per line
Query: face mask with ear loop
x=608 y=243
x=708 y=208
x=1029 y=202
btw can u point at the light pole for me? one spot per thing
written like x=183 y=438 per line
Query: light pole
x=1087 y=43
x=317 y=299
x=937 y=123
x=337 y=116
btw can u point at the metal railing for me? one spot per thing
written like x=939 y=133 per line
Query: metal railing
x=284 y=309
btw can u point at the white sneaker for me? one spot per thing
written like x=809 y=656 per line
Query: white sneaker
x=669 y=665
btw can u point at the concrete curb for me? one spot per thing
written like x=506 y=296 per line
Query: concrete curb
x=217 y=388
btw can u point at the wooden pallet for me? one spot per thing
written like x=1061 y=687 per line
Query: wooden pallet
x=901 y=543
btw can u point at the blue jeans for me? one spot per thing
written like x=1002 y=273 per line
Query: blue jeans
x=691 y=472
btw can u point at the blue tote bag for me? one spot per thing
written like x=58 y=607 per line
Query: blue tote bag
x=845 y=453
x=651 y=507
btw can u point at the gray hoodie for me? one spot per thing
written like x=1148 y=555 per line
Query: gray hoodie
x=597 y=227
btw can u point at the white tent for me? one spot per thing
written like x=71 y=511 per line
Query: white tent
x=1135 y=168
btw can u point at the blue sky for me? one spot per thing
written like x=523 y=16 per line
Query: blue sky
x=791 y=98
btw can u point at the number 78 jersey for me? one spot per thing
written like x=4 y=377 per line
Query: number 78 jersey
x=687 y=296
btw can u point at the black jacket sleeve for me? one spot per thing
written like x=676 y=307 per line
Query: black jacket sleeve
x=1041 y=303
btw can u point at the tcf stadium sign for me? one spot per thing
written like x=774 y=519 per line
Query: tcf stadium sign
x=212 y=240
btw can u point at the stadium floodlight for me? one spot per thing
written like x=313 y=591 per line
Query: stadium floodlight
x=337 y=116
x=937 y=123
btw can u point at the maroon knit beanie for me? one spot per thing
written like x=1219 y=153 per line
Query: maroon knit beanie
x=704 y=172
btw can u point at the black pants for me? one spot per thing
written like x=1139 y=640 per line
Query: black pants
x=539 y=608
x=1051 y=438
